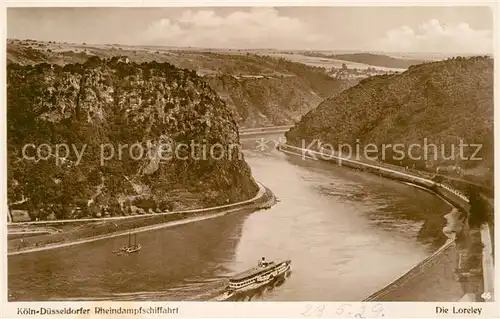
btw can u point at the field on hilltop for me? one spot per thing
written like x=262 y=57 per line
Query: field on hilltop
x=329 y=62
x=378 y=60
x=118 y=103
x=261 y=90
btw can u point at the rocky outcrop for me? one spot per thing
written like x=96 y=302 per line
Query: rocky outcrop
x=178 y=139
x=265 y=101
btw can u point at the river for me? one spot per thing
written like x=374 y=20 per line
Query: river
x=348 y=234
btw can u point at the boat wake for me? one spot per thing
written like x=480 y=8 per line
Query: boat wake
x=191 y=291
x=245 y=286
x=210 y=290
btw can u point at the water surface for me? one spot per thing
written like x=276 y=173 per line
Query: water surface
x=347 y=233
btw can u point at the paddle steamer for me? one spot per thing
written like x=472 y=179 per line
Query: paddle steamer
x=256 y=277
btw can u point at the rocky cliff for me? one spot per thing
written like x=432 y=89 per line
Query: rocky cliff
x=101 y=137
x=445 y=103
x=276 y=99
x=265 y=101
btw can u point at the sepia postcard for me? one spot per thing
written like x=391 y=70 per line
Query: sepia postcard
x=282 y=160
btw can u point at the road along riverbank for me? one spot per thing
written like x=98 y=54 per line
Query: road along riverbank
x=103 y=228
x=452 y=196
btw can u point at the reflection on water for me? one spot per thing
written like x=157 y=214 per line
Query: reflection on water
x=347 y=233
x=182 y=256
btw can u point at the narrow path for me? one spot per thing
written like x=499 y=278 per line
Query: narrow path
x=103 y=219
x=239 y=207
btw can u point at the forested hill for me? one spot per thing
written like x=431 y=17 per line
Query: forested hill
x=116 y=102
x=440 y=103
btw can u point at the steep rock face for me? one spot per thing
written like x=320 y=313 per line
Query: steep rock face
x=266 y=101
x=439 y=103
x=279 y=99
x=153 y=134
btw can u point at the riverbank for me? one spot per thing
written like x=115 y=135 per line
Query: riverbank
x=452 y=196
x=77 y=232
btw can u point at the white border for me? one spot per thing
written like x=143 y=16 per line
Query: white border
x=301 y=309
x=252 y=3
x=253 y=309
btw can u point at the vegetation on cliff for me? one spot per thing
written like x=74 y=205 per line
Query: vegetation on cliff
x=445 y=103
x=102 y=105
x=260 y=90
x=370 y=59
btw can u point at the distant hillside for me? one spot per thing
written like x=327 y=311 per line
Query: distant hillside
x=153 y=109
x=260 y=90
x=326 y=61
x=437 y=103
x=378 y=60
x=369 y=59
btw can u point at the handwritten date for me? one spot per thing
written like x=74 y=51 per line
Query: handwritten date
x=346 y=310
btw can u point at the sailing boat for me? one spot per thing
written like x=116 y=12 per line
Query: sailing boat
x=130 y=248
x=133 y=248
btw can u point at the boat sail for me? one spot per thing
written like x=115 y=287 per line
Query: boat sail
x=131 y=248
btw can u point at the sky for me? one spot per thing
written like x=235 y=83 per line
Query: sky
x=449 y=29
